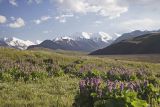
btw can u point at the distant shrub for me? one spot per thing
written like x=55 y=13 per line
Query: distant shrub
x=32 y=61
x=78 y=61
x=54 y=70
x=154 y=81
x=38 y=75
x=120 y=74
x=48 y=61
x=129 y=100
x=70 y=69
x=92 y=74
x=6 y=77
x=11 y=74
x=15 y=74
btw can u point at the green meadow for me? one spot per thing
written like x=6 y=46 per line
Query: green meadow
x=45 y=78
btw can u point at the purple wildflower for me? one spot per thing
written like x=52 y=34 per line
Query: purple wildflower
x=121 y=86
x=145 y=83
x=87 y=81
x=82 y=84
x=110 y=88
x=130 y=86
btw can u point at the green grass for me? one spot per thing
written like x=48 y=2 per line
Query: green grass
x=153 y=58
x=55 y=91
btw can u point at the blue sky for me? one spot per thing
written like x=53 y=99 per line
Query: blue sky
x=46 y=19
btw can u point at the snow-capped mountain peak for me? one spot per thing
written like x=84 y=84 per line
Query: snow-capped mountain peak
x=81 y=35
x=117 y=35
x=99 y=40
x=62 y=38
x=86 y=35
x=105 y=36
x=79 y=41
x=102 y=36
x=17 y=43
x=38 y=42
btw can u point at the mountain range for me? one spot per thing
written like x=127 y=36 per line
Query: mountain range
x=145 y=43
x=133 y=34
x=81 y=41
x=97 y=43
x=16 y=43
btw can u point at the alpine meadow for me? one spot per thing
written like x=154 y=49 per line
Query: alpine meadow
x=79 y=53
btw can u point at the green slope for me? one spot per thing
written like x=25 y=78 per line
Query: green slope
x=146 y=44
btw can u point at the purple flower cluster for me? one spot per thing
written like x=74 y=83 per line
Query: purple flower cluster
x=120 y=71
x=120 y=74
x=142 y=73
x=22 y=65
x=90 y=85
x=119 y=85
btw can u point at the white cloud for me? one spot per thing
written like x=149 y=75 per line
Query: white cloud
x=3 y=19
x=142 y=2
x=141 y=24
x=109 y=8
x=13 y=18
x=34 y=1
x=42 y=19
x=13 y=2
x=47 y=31
x=18 y=23
x=45 y=18
x=37 y=21
x=62 y=18
x=98 y=22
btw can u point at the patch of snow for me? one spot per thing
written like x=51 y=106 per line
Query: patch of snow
x=38 y=42
x=18 y=43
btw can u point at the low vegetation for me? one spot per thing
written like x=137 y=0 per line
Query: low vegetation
x=43 y=78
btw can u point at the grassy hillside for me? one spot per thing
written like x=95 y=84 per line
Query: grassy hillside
x=145 y=44
x=44 y=78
